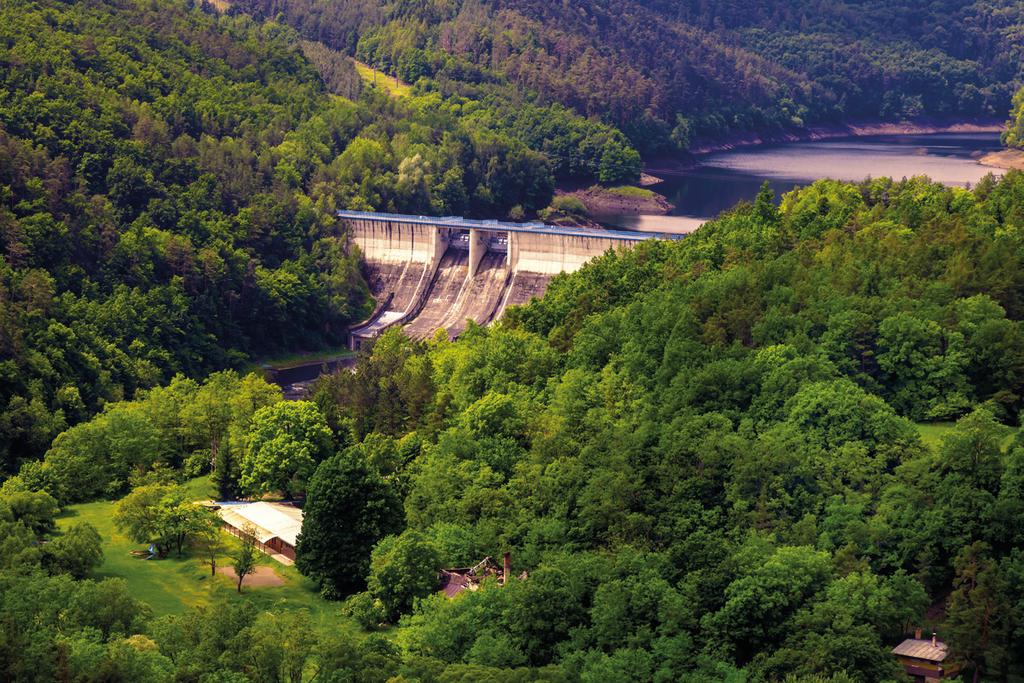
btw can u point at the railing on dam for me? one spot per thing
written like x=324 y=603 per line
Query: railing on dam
x=460 y=223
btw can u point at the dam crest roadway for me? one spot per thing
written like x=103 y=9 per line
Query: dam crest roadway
x=429 y=273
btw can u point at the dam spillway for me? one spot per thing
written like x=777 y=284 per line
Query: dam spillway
x=431 y=273
x=444 y=295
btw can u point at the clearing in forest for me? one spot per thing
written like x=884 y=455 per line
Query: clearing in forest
x=373 y=76
x=172 y=585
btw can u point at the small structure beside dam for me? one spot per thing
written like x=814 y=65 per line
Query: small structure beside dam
x=436 y=273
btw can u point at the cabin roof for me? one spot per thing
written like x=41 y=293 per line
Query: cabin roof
x=271 y=520
x=922 y=649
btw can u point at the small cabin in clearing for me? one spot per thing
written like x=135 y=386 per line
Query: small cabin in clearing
x=277 y=525
x=925 y=660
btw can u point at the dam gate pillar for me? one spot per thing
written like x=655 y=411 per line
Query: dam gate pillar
x=442 y=237
x=512 y=254
x=477 y=249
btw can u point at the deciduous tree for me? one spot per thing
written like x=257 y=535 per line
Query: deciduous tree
x=286 y=442
x=402 y=569
x=77 y=551
x=244 y=559
x=978 y=613
x=348 y=510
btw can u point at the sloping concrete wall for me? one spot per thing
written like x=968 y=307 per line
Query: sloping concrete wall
x=401 y=260
x=443 y=296
x=481 y=295
x=522 y=288
x=397 y=242
x=406 y=258
x=553 y=254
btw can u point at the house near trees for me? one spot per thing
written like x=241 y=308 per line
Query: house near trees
x=924 y=659
x=277 y=526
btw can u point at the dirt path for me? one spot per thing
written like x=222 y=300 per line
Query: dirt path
x=263 y=577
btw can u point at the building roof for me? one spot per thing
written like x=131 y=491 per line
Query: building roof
x=271 y=520
x=922 y=649
x=458 y=222
x=454 y=581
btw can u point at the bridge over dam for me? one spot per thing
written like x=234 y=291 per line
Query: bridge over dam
x=429 y=273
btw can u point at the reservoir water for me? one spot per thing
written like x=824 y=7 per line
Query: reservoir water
x=723 y=179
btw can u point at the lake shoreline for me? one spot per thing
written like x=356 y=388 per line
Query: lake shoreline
x=676 y=165
x=720 y=181
x=1008 y=159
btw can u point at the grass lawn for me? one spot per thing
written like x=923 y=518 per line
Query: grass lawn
x=172 y=585
x=631 y=191
x=932 y=433
x=389 y=83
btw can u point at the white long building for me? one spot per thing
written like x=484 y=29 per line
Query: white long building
x=276 y=526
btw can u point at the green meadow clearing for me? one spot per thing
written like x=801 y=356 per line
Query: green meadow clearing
x=389 y=83
x=932 y=433
x=173 y=585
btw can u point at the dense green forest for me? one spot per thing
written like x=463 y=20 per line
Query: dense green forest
x=1014 y=134
x=167 y=183
x=156 y=209
x=703 y=453
x=706 y=455
x=671 y=74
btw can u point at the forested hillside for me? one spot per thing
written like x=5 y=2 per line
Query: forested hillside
x=167 y=183
x=766 y=452
x=705 y=451
x=671 y=73
x=1014 y=135
x=706 y=456
x=154 y=215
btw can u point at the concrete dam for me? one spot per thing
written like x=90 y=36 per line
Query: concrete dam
x=438 y=273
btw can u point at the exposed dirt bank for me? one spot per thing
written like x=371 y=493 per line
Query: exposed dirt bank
x=1006 y=158
x=263 y=577
x=619 y=200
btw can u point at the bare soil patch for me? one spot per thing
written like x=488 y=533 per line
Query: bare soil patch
x=263 y=577
x=608 y=201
